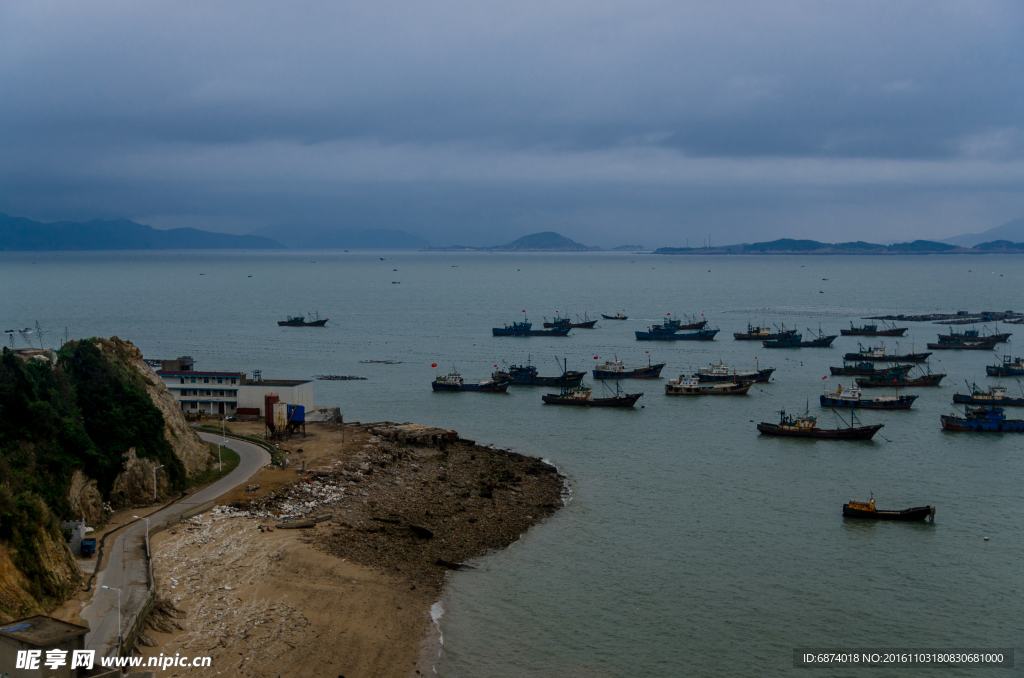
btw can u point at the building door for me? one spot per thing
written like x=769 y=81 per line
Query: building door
x=220 y=408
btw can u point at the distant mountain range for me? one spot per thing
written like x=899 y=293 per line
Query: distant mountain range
x=1011 y=230
x=548 y=241
x=18 y=234
x=328 y=238
x=789 y=246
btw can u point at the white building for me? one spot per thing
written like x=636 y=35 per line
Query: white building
x=229 y=393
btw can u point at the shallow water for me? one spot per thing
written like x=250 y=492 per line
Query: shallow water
x=692 y=545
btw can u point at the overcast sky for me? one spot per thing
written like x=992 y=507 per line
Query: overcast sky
x=473 y=122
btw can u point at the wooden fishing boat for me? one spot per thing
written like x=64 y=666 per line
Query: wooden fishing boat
x=692 y=386
x=722 y=372
x=584 y=397
x=1009 y=367
x=852 y=397
x=525 y=329
x=899 y=380
x=616 y=369
x=983 y=419
x=657 y=333
x=453 y=381
x=867 y=368
x=822 y=340
x=866 y=509
x=586 y=323
x=996 y=395
x=871 y=330
x=973 y=336
x=526 y=375
x=807 y=427
x=617 y=316
x=878 y=353
x=762 y=333
x=300 y=321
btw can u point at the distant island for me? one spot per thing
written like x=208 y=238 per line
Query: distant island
x=790 y=246
x=18 y=234
x=548 y=241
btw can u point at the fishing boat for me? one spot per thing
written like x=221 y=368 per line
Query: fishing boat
x=852 y=397
x=822 y=340
x=1010 y=367
x=558 y=321
x=617 y=316
x=453 y=381
x=762 y=333
x=584 y=397
x=806 y=426
x=300 y=321
x=996 y=395
x=878 y=353
x=982 y=420
x=616 y=369
x=962 y=346
x=687 y=323
x=866 y=509
x=526 y=375
x=867 y=368
x=871 y=330
x=524 y=329
x=896 y=380
x=685 y=385
x=722 y=372
x=973 y=336
x=658 y=333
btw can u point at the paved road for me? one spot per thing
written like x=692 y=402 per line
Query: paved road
x=125 y=558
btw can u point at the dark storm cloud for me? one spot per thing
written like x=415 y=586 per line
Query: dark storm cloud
x=760 y=119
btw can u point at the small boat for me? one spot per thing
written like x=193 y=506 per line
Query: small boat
x=300 y=321
x=796 y=341
x=852 y=397
x=524 y=329
x=585 y=323
x=1010 y=367
x=983 y=419
x=657 y=333
x=996 y=395
x=762 y=333
x=894 y=380
x=526 y=375
x=687 y=323
x=722 y=372
x=871 y=330
x=878 y=353
x=685 y=385
x=584 y=397
x=807 y=427
x=867 y=368
x=866 y=509
x=558 y=321
x=453 y=381
x=617 y=316
x=616 y=369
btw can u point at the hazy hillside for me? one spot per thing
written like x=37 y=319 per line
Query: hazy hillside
x=1011 y=230
x=329 y=238
x=18 y=234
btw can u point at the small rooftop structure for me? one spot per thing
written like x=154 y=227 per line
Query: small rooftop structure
x=41 y=633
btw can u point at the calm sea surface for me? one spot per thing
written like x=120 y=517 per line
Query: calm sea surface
x=691 y=546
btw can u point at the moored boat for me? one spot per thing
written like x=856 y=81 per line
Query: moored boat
x=866 y=509
x=300 y=321
x=722 y=372
x=616 y=369
x=762 y=333
x=692 y=386
x=822 y=340
x=453 y=381
x=656 y=333
x=806 y=426
x=973 y=336
x=879 y=353
x=899 y=380
x=617 y=316
x=526 y=375
x=584 y=397
x=983 y=419
x=871 y=330
x=962 y=346
x=1010 y=367
x=867 y=368
x=852 y=397
x=525 y=329
x=996 y=395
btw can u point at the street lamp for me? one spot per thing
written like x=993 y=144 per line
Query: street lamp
x=154 y=481
x=147 y=534
x=111 y=588
x=224 y=442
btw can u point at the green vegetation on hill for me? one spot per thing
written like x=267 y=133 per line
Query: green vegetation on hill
x=81 y=414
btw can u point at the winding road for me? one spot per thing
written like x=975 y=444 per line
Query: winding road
x=126 y=568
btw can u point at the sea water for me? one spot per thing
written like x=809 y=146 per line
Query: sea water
x=692 y=545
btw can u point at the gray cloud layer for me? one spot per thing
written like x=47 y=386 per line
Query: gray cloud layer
x=659 y=121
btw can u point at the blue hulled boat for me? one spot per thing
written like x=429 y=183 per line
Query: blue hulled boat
x=1010 y=367
x=524 y=329
x=453 y=381
x=526 y=375
x=661 y=333
x=982 y=420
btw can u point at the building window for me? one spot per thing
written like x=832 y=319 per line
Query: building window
x=193 y=380
x=220 y=380
x=232 y=382
x=206 y=380
x=182 y=379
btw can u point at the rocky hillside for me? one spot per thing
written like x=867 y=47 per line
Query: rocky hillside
x=75 y=433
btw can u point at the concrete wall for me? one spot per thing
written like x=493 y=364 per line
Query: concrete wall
x=251 y=395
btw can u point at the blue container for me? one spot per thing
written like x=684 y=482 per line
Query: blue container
x=296 y=413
